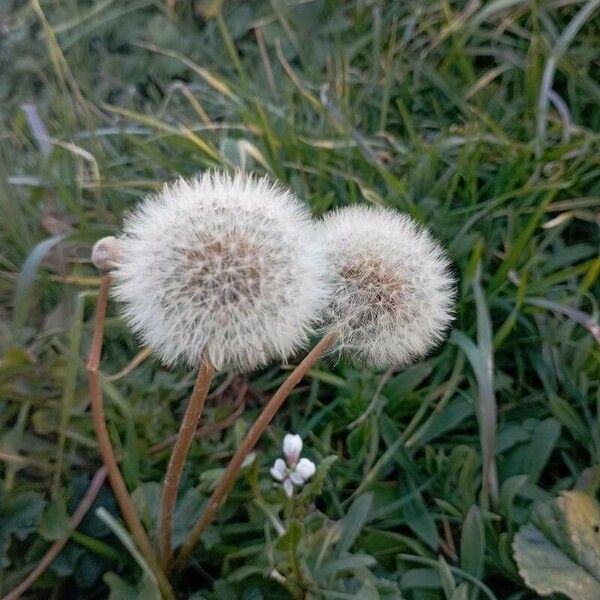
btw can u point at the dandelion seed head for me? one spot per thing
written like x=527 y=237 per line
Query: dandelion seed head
x=224 y=264
x=393 y=293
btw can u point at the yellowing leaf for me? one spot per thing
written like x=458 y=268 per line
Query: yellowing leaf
x=582 y=515
x=560 y=550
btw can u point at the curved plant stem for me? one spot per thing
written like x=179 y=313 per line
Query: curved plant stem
x=265 y=417
x=177 y=460
x=137 y=360
x=58 y=545
x=110 y=462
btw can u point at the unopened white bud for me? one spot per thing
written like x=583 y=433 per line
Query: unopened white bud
x=292 y=446
x=106 y=253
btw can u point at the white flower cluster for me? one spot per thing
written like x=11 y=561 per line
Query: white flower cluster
x=293 y=471
x=234 y=269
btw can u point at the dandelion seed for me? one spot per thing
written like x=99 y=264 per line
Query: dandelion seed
x=393 y=293
x=293 y=471
x=224 y=265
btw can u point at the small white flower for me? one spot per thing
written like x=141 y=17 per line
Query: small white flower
x=305 y=468
x=293 y=471
x=279 y=470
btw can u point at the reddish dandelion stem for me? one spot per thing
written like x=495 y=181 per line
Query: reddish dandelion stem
x=177 y=460
x=110 y=462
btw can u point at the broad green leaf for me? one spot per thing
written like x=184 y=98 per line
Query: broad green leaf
x=420 y=520
x=569 y=418
x=55 y=521
x=421 y=578
x=121 y=590
x=23 y=295
x=19 y=516
x=350 y=562
x=451 y=417
x=353 y=522
x=560 y=551
x=146 y=499
x=368 y=591
x=541 y=446
x=509 y=491
x=446 y=577
x=472 y=543
x=408 y=380
x=187 y=511
x=461 y=592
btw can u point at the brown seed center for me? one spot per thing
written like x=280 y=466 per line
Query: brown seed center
x=374 y=285
x=227 y=270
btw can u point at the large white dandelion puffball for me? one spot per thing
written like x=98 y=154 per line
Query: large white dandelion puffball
x=393 y=294
x=226 y=267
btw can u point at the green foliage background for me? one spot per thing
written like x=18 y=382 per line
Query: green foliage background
x=450 y=111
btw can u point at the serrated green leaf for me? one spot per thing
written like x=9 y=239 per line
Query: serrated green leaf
x=291 y=538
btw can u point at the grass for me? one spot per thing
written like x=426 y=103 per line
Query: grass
x=481 y=120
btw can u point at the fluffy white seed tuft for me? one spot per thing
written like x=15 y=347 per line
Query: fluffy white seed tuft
x=224 y=264
x=393 y=293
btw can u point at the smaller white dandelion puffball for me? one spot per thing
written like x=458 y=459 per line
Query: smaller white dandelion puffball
x=224 y=265
x=393 y=294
